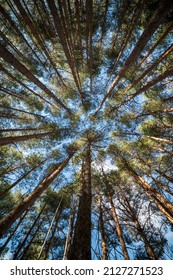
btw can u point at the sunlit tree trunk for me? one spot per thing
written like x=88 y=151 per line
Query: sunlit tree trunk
x=118 y=229
x=7 y=221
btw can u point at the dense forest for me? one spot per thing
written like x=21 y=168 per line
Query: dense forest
x=86 y=129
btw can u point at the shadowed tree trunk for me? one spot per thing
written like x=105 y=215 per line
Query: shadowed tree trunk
x=81 y=245
x=102 y=230
x=152 y=26
x=139 y=227
x=14 y=139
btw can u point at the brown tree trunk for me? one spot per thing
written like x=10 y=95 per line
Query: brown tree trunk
x=158 y=79
x=47 y=250
x=164 y=206
x=102 y=230
x=7 y=221
x=15 y=139
x=9 y=57
x=33 y=29
x=13 y=232
x=2 y=193
x=50 y=227
x=81 y=245
x=118 y=229
x=23 y=85
x=139 y=228
x=152 y=26
x=25 y=251
x=69 y=237
x=22 y=244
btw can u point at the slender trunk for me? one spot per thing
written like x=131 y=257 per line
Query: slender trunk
x=102 y=230
x=63 y=40
x=15 y=139
x=10 y=169
x=20 y=129
x=164 y=206
x=7 y=221
x=50 y=227
x=150 y=68
x=79 y=28
x=155 y=81
x=21 y=178
x=13 y=232
x=33 y=29
x=81 y=245
x=118 y=229
x=25 y=250
x=130 y=29
x=139 y=228
x=156 y=170
x=161 y=38
x=23 y=85
x=154 y=23
x=69 y=237
x=12 y=24
x=22 y=111
x=8 y=57
x=47 y=250
x=22 y=244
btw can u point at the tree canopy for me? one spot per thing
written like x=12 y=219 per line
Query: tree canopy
x=86 y=129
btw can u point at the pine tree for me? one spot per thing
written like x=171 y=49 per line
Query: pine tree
x=86 y=129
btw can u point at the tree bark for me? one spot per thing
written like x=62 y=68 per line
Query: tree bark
x=102 y=230
x=154 y=23
x=163 y=205
x=118 y=229
x=22 y=244
x=139 y=228
x=9 y=57
x=7 y=221
x=14 y=139
x=81 y=245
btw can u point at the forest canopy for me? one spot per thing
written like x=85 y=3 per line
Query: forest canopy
x=86 y=129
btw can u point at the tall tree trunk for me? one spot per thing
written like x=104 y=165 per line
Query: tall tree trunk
x=139 y=228
x=9 y=57
x=4 y=192
x=81 y=245
x=25 y=250
x=69 y=237
x=161 y=77
x=152 y=26
x=49 y=245
x=7 y=221
x=118 y=229
x=22 y=244
x=50 y=227
x=164 y=205
x=15 y=139
x=116 y=220
x=13 y=232
x=102 y=230
x=23 y=85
